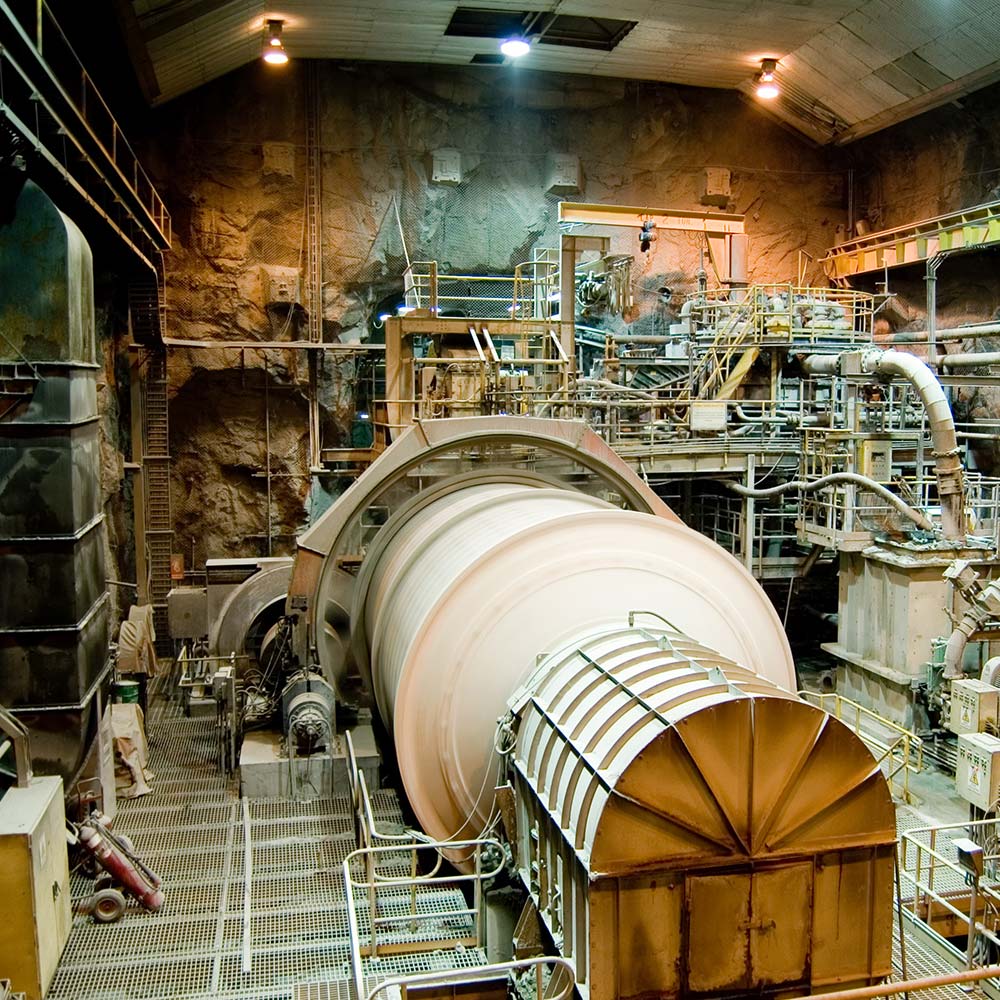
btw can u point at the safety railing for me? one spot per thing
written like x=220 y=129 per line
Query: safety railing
x=982 y=503
x=553 y=978
x=411 y=901
x=530 y=293
x=66 y=76
x=366 y=829
x=897 y=750
x=940 y=889
x=786 y=314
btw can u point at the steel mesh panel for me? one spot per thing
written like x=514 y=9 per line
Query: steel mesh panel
x=162 y=977
x=189 y=816
x=138 y=935
x=302 y=855
x=278 y=892
x=281 y=810
x=308 y=826
x=190 y=831
x=281 y=969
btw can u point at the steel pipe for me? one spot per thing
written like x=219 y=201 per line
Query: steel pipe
x=970 y=360
x=919 y=519
x=909 y=985
x=947 y=464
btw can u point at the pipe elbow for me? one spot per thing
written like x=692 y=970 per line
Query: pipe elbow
x=954 y=651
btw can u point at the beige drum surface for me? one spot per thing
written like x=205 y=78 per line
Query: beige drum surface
x=476 y=587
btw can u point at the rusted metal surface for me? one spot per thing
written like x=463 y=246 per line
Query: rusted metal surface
x=675 y=805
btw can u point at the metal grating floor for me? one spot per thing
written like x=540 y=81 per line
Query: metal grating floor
x=190 y=830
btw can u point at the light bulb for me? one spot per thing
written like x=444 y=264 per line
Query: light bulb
x=515 y=47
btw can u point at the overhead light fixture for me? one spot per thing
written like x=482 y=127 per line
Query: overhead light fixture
x=767 y=87
x=274 y=51
x=515 y=47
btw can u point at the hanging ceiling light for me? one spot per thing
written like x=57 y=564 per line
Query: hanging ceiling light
x=767 y=87
x=274 y=51
x=515 y=47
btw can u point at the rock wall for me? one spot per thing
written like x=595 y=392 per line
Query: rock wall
x=231 y=161
x=940 y=162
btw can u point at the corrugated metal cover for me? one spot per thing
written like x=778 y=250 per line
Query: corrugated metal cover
x=845 y=67
x=648 y=748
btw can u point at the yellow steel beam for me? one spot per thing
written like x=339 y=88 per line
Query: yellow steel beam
x=663 y=218
x=967 y=229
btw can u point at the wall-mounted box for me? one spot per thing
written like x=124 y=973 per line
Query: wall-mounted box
x=716 y=186
x=278 y=158
x=977 y=771
x=974 y=705
x=281 y=285
x=564 y=175
x=446 y=167
x=708 y=415
x=187 y=612
x=876 y=459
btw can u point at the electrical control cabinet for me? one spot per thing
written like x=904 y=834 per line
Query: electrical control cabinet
x=977 y=773
x=974 y=705
x=34 y=884
x=876 y=459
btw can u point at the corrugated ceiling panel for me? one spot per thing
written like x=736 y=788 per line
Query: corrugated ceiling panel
x=860 y=60
x=843 y=39
x=897 y=77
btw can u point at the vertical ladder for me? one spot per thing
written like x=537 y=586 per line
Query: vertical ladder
x=147 y=316
x=156 y=469
x=314 y=252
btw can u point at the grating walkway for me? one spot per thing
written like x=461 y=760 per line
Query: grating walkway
x=191 y=832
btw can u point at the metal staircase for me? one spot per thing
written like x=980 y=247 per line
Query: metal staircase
x=729 y=343
x=314 y=254
x=147 y=317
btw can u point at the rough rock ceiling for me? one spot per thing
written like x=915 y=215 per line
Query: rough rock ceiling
x=846 y=68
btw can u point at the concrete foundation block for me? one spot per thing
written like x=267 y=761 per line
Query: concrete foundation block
x=265 y=772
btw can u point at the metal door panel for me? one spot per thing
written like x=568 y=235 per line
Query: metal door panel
x=718 y=956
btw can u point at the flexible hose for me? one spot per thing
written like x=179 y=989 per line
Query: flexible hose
x=838 y=477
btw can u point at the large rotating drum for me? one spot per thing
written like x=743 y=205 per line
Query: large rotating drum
x=526 y=613
x=460 y=597
x=503 y=537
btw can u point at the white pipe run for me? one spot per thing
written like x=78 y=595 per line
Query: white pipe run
x=970 y=360
x=947 y=465
x=468 y=592
x=982 y=607
x=919 y=519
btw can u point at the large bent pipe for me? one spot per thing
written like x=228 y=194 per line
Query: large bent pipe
x=947 y=465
